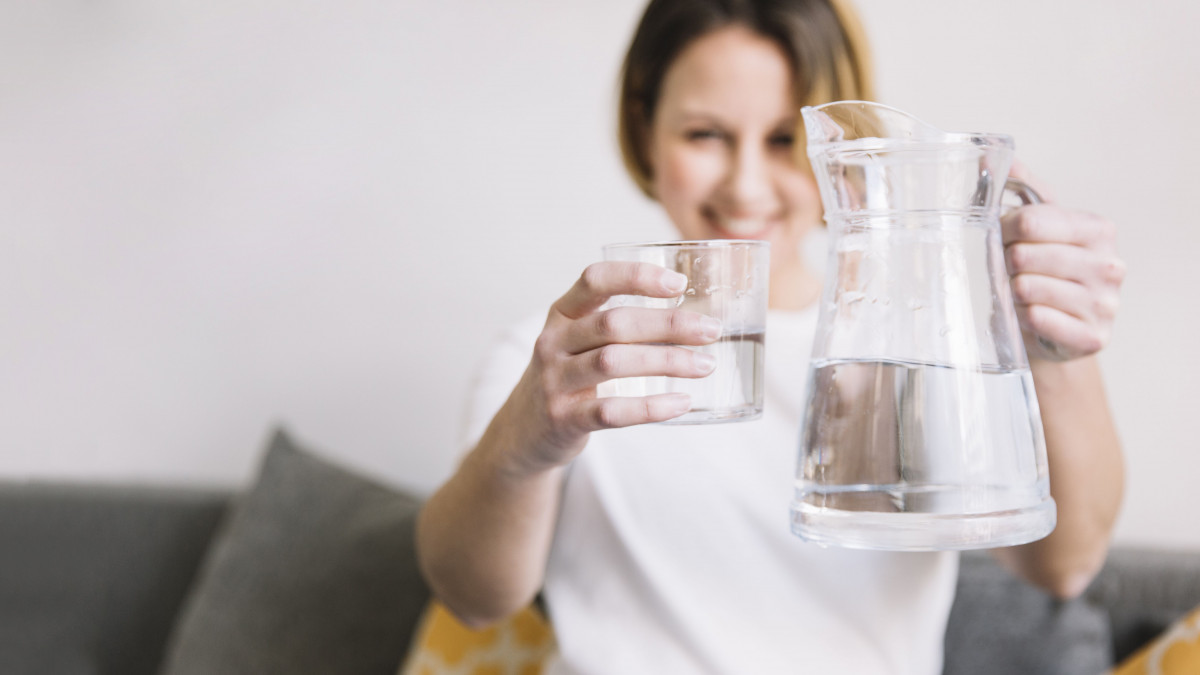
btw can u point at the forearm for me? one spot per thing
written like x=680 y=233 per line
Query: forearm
x=1086 y=478
x=483 y=537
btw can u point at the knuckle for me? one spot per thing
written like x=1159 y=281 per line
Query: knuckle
x=606 y=414
x=644 y=276
x=545 y=347
x=1018 y=256
x=647 y=410
x=1022 y=288
x=1039 y=318
x=608 y=360
x=673 y=360
x=1029 y=224
x=678 y=322
x=610 y=324
x=592 y=276
x=558 y=410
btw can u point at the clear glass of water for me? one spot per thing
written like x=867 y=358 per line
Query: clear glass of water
x=727 y=279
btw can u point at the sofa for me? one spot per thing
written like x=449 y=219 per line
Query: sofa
x=311 y=569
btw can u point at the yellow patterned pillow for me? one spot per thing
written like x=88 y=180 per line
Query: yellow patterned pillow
x=1176 y=651
x=518 y=645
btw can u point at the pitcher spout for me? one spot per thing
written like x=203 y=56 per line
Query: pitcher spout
x=842 y=121
x=869 y=157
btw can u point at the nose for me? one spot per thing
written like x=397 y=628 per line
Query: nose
x=749 y=181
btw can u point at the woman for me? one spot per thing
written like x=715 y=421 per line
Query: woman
x=665 y=549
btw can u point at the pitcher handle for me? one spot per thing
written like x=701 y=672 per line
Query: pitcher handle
x=1023 y=191
x=1028 y=196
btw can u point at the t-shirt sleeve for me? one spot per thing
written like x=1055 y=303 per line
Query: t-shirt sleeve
x=494 y=380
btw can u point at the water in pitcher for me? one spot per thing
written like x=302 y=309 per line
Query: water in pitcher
x=891 y=437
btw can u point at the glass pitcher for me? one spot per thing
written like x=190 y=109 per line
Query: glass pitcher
x=922 y=430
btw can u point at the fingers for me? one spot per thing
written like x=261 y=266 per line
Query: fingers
x=1064 y=260
x=600 y=281
x=571 y=402
x=639 y=325
x=1065 y=277
x=616 y=412
x=1058 y=336
x=1066 y=296
x=1066 y=318
x=1076 y=263
x=615 y=360
x=1078 y=300
x=1048 y=223
x=580 y=347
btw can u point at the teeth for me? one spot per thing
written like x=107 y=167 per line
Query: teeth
x=740 y=226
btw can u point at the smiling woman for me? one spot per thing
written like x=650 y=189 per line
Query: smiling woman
x=645 y=540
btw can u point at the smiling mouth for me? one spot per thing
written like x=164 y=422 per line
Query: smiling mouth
x=742 y=228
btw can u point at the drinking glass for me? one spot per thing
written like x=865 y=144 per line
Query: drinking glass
x=727 y=279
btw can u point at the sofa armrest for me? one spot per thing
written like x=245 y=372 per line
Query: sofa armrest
x=92 y=576
x=1144 y=591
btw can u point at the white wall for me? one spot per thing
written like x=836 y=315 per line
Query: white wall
x=218 y=216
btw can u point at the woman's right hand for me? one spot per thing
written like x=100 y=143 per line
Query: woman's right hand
x=484 y=537
x=554 y=407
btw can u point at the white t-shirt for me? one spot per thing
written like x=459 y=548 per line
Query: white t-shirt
x=673 y=552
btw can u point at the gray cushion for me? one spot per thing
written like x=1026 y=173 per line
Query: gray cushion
x=315 y=572
x=92 y=576
x=1001 y=626
x=1145 y=591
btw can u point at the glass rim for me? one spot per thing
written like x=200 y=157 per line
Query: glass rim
x=689 y=243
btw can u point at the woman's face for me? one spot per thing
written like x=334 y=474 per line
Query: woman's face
x=721 y=147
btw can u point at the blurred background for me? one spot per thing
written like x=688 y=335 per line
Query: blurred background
x=217 y=216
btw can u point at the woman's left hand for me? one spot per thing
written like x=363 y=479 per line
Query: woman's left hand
x=1065 y=276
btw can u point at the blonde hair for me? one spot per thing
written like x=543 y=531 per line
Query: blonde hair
x=824 y=41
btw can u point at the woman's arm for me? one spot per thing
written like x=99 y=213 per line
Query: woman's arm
x=1086 y=479
x=1065 y=279
x=484 y=536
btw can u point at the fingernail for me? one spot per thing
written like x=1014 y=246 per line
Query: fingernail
x=710 y=328
x=704 y=362
x=675 y=282
x=678 y=404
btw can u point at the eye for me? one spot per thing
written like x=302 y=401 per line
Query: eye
x=703 y=134
x=782 y=140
